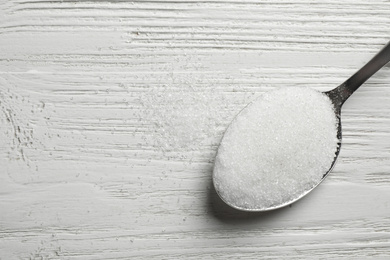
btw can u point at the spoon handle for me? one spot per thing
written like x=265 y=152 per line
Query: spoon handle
x=340 y=94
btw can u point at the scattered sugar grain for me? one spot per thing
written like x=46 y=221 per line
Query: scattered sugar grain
x=276 y=149
x=188 y=117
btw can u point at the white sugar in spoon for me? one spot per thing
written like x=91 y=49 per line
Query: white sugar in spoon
x=284 y=144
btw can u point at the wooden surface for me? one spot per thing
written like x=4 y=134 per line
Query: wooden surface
x=111 y=113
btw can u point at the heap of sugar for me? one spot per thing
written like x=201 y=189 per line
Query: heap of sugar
x=276 y=149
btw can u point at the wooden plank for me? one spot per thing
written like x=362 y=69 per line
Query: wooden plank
x=111 y=113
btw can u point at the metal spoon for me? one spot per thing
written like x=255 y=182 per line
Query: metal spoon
x=338 y=96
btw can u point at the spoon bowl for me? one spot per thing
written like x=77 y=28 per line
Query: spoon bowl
x=230 y=193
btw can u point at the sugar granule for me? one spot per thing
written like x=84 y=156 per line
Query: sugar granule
x=277 y=148
x=186 y=117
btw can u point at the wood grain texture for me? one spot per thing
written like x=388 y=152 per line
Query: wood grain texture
x=90 y=169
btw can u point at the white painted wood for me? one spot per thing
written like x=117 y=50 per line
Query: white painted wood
x=83 y=174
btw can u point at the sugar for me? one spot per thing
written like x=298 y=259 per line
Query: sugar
x=186 y=118
x=279 y=147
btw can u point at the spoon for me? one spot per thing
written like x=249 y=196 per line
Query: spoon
x=337 y=97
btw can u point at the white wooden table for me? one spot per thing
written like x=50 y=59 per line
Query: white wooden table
x=111 y=113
